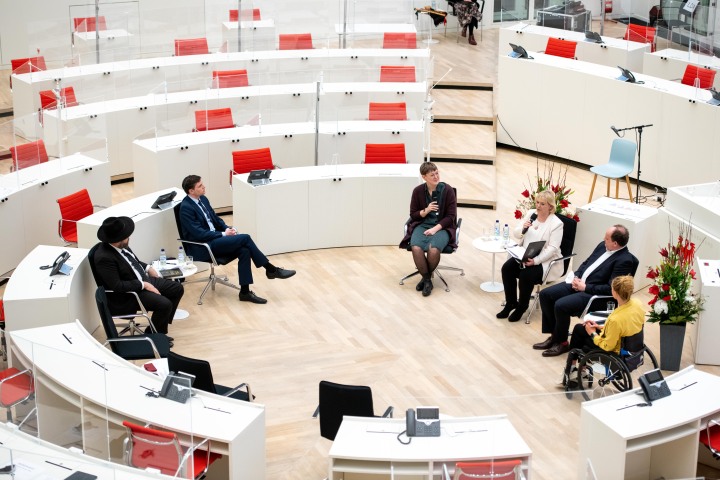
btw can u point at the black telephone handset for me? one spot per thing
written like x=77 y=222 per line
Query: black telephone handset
x=59 y=266
x=410 y=423
x=654 y=386
x=166 y=385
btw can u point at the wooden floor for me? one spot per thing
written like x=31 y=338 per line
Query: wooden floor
x=345 y=318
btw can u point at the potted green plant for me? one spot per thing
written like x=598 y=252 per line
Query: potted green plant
x=673 y=304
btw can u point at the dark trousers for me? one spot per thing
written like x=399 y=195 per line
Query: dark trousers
x=558 y=303
x=242 y=247
x=163 y=306
x=581 y=339
x=515 y=278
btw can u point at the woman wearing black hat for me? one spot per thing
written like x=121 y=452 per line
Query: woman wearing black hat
x=119 y=270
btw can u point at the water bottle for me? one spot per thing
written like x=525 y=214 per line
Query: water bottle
x=181 y=256
x=497 y=229
x=506 y=234
x=163 y=258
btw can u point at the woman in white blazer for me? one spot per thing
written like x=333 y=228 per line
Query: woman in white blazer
x=523 y=277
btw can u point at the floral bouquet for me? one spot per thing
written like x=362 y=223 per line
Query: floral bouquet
x=672 y=301
x=547 y=181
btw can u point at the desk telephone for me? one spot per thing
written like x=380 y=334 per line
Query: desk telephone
x=59 y=266
x=425 y=424
x=654 y=386
x=177 y=387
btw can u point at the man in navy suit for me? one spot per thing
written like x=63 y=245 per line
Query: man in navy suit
x=200 y=223
x=610 y=259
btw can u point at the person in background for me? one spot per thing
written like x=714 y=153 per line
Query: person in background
x=538 y=224
x=433 y=224
x=468 y=13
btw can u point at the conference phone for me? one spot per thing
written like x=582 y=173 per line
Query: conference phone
x=654 y=386
x=177 y=387
x=59 y=267
x=424 y=423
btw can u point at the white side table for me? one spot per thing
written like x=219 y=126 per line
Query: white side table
x=490 y=245
x=187 y=271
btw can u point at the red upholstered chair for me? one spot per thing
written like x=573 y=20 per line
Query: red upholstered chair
x=146 y=447
x=642 y=34
x=507 y=469
x=246 y=15
x=16 y=387
x=28 y=154
x=399 y=40
x=295 y=41
x=245 y=161
x=191 y=46
x=88 y=24
x=385 y=153
x=213 y=119
x=400 y=73
x=387 y=111
x=26 y=65
x=560 y=48
x=230 y=78
x=73 y=208
x=702 y=77
x=710 y=437
x=67 y=96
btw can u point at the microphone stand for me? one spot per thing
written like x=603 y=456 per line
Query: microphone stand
x=639 y=129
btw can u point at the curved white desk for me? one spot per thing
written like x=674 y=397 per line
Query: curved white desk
x=326 y=206
x=165 y=161
x=84 y=392
x=670 y=64
x=258 y=34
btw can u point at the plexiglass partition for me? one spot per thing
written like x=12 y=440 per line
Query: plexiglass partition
x=102 y=31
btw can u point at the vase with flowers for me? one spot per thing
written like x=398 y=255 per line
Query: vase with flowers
x=673 y=304
x=548 y=179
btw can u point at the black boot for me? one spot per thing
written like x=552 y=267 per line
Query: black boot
x=509 y=307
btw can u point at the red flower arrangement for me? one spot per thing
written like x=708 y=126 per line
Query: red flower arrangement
x=672 y=301
x=547 y=181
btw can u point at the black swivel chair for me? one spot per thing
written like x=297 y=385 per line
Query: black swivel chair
x=136 y=347
x=337 y=400
x=204 y=379
x=206 y=256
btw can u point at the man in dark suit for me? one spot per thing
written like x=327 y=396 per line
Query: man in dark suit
x=610 y=259
x=120 y=270
x=200 y=223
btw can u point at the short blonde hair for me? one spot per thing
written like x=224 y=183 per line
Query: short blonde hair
x=548 y=196
x=623 y=286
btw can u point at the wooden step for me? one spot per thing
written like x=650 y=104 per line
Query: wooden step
x=465 y=105
x=475 y=183
x=462 y=142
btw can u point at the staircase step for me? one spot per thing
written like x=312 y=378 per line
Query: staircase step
x=462 y=143
x=475 y=183
x=463 y=105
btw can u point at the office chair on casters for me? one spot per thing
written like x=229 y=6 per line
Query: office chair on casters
x=710 y=437
x=245 y=15
x=213 y=260
x=505 y=469
x=295 y=41
x=230 y=78
x=73 y=208
x=387 y=111
x=16 y=387
x=213 y=119
x=566 y=250
x=385 y=153
x=698 y=77
x=621 y=164
x=397 y=73
x=146 y=447
x=191 y=46
x=446 y=251
x=26 y=65
x=642 y=34
x=204 y=378
x=560 y=48
x=338 y=400
x=28 y=154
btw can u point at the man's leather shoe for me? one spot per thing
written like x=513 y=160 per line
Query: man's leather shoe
x=556 y=350
x=251 y=297
x=517 y=314
x=280 y=273
x=420 y=285
x=427 y=288
x=544 y=345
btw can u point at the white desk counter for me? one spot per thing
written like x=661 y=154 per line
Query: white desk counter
x=256 y=35
x=370 y=445
x=326 y=206
x=28 y=202
x=138 y=77
x=124 y=120
x=611 y=53
x=33 y=298
x=568 y=108
x=670 y=64
x=80 y=382
x=658 y=441
x=165 y=161
x=154 y=229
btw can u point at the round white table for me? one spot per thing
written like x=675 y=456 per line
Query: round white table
x=187 y=270
x=490 y=245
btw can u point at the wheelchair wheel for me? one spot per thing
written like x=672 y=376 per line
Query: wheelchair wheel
x=648 y=362
x=602 y=374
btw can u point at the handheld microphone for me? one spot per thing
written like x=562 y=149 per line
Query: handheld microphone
x=434 y=196
x=532 y=219
x=615 y=130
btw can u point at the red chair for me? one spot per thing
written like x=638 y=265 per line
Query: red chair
x=67 y=96
x=399 y=40
x=560 y=48
x=27 y=65
x=710 y=437
x=16 y=387
x=400 y=73
x=700 y=77
x=245 y=161
x=642 y=34
x=213 y=119
x=387 y=111
x=73 y=208
x=28 y=154
x=88 y=24
x=191 y=46
x=295 y=41
x=146 y=447
x=385 y=153
x=508 y=469
x=246 y=15
x=230 y=78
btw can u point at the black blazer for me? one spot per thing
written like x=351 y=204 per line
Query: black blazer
x=195 y=228
x=114 y=272
x=598 y=282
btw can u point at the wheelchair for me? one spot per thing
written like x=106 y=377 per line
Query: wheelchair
x=600 y=373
